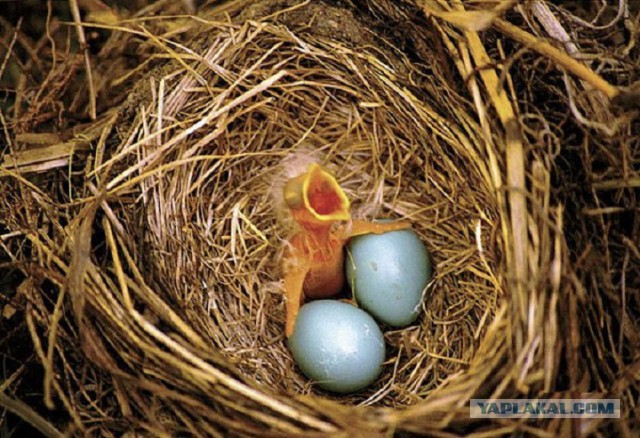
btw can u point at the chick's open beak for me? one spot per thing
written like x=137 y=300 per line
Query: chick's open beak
x=315 y=198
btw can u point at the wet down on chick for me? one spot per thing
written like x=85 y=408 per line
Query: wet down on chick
x=313 y=263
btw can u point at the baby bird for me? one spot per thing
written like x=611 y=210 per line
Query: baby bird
x=313 y=263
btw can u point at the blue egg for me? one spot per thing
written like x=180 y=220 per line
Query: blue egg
x=388 y=273
x=337 y=345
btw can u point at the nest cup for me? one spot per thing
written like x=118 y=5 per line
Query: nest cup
x=271 y=98
x=179 y=307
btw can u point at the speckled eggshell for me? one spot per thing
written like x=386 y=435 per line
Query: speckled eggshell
x=388 y=273
x=337 y=345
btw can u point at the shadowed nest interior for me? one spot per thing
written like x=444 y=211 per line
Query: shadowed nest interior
x=151 y=252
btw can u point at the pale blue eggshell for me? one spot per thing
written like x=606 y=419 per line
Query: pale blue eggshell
x=388 y=273
x=337 y=345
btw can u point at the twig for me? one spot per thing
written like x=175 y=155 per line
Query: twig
x=30 y=416
x=515 y=164
x=7 y=136
x=621 y=183
x=552 y=26
x=75 y=11
x=608 y=129
x=558 y=56
x=622 y=6
x=10 y=48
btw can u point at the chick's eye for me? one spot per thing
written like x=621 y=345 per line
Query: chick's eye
x=293 y=195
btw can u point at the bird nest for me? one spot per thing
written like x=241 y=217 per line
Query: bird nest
x=150 y=244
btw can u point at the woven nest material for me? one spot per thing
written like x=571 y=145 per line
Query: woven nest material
x=152 y=288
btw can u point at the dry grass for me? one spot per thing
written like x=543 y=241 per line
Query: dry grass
x=149 y=238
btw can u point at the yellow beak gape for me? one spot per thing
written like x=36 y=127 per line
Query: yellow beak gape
x=316 y=198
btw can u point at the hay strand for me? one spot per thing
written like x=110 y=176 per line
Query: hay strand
x=75 y=11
